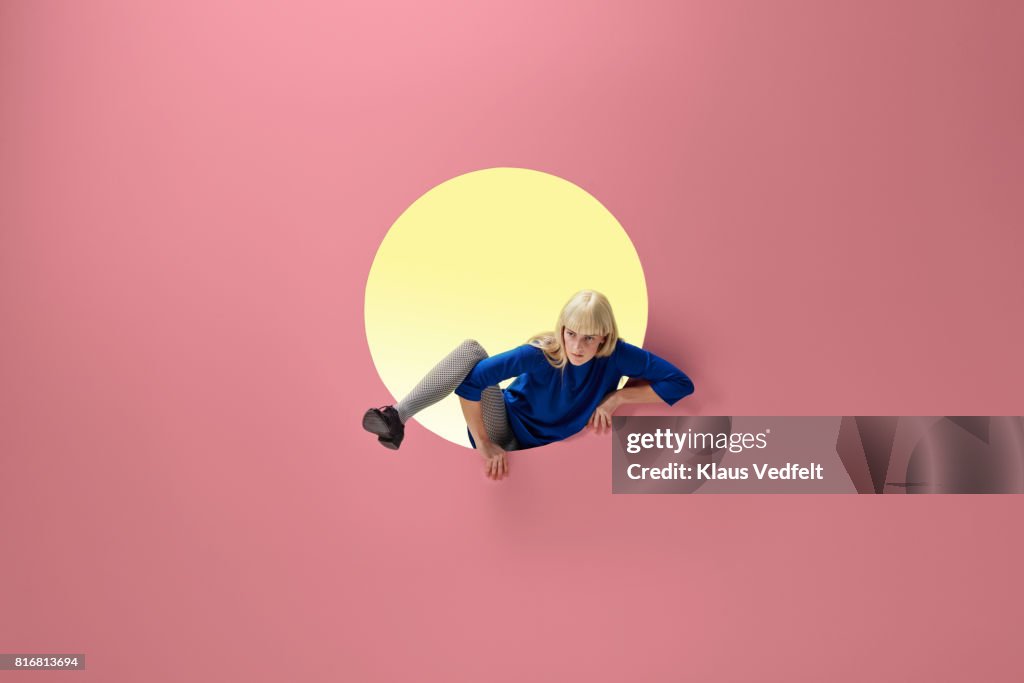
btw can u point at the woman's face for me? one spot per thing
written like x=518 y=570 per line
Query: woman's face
x=580 y=348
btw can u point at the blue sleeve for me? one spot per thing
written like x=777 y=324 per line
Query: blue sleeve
x=667 y=381
x=492 y=370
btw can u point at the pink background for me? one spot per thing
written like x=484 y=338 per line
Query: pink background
x=826 y=198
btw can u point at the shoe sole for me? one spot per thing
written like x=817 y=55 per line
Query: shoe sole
x=374 y=423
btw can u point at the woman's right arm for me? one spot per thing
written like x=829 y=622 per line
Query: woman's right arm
x=489 y=372
x=494 y=455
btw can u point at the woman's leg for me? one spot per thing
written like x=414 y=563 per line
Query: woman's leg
x=388 y=423
x=496 y=419
x=442 y=380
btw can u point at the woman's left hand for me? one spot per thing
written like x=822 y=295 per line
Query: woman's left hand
x=601 y=420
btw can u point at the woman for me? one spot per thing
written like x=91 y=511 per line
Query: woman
x=566 y=380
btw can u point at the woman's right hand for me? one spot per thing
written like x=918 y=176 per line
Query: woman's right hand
x=495 y=460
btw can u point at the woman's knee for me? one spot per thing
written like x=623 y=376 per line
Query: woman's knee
x=472 y=348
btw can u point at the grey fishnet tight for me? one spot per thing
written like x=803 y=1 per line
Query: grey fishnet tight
x=446 y=377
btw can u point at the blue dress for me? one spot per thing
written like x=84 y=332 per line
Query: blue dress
x=545 y=405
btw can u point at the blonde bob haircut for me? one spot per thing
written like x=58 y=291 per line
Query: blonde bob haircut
x=587 y=313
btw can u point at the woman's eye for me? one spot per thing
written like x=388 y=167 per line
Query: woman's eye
x=588 y=340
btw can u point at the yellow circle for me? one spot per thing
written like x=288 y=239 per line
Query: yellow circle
x=491 y=255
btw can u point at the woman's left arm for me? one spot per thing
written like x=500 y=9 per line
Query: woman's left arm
x=668 y=384
x=601 y=420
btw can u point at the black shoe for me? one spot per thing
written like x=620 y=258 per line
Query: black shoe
x=385 y=423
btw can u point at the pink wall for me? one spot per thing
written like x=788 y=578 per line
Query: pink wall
x=826 y=198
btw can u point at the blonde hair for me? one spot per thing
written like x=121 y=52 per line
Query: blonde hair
x=588 y=313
